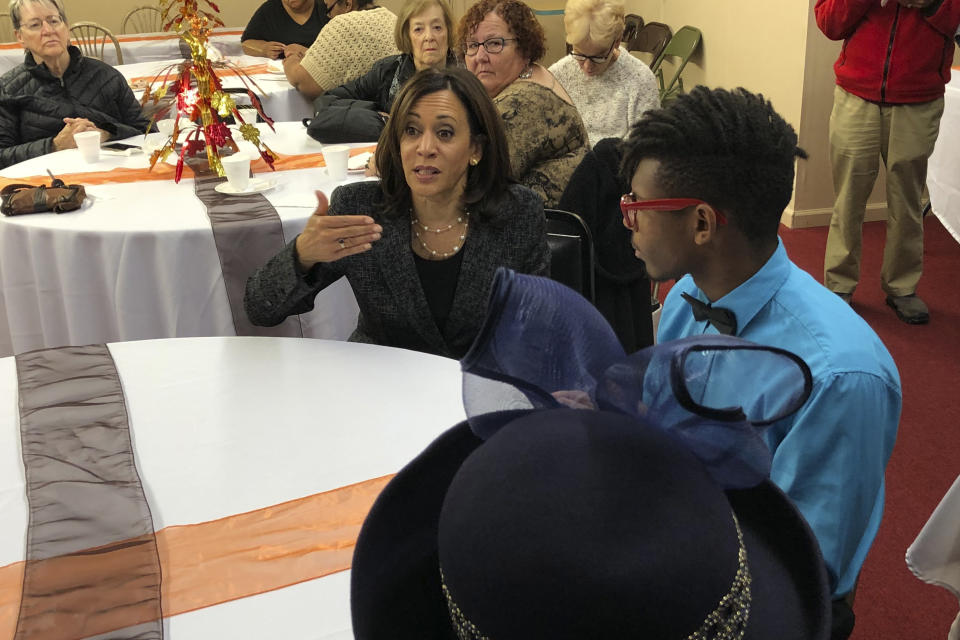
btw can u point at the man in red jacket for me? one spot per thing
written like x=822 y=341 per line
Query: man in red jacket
x=888 y=101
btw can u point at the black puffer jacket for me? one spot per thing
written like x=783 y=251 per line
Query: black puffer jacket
x=623 y=290
x=351 y=112
x=33 y=104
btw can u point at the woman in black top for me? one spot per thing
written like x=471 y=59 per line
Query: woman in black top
x=419 y=248
x=277 y=24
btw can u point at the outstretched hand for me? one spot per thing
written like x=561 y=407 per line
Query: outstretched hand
x=329 y=238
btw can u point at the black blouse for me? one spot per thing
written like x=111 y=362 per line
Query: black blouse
x=272 y=23
x=438 y=278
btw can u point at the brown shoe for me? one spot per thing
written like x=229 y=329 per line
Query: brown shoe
x=910 y=309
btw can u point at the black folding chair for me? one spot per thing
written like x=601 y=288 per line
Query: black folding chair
x=631 y=27
x=571 y=252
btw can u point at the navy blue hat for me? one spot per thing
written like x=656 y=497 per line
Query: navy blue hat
x=581 y=524
x=649 y=517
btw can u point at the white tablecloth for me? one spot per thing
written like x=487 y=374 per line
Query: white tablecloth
x=223 y=426
x=934 y=556
x=139 y=261
x=943 y=174
x=139 y=47
x=280 y=100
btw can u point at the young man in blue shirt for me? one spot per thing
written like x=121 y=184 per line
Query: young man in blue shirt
x=710 y=176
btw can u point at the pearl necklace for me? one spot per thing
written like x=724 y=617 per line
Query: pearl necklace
x=415 y=220
x=433 y=253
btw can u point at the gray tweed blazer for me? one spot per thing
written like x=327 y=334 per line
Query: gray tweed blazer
x=393 y=306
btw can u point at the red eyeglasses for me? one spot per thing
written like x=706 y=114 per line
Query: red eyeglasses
x=629 y=205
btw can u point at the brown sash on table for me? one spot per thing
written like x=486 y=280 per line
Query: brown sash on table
x=92 y=565
x=247 y=232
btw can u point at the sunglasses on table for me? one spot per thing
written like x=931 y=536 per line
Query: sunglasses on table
x=629 y=205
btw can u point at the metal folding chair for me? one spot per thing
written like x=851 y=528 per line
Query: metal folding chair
x=682 y=46
x=651 y=38
x=631 y=27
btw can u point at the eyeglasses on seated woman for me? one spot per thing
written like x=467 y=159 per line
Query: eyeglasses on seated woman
x=421 y=246
x=356 y=111
x=502 y=42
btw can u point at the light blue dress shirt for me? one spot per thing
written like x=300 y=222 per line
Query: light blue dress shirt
x=830 y=456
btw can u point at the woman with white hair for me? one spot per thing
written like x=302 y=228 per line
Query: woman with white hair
x=609 y=87
x=57 y=91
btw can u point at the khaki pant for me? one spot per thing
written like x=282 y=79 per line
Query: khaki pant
x=862 y=133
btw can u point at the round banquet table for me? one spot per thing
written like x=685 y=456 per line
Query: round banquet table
x=943 y=172
x=224 y=426
x=138 y=261
x=280 y=100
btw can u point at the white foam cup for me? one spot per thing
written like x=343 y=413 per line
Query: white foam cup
x=165 y=126
x=88 y=142
x=237 y=170
x=335 y=156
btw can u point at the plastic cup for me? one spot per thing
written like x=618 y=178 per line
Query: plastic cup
x=165 y=127
x=237 y=170
x=88 y=143
x=335 y=156
x=249 y=115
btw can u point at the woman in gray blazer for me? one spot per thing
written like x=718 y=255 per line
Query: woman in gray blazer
x=421 y=246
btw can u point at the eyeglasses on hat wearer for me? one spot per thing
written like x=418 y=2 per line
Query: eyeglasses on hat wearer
x=579 y=57
x=629 y=205
x=490 y=45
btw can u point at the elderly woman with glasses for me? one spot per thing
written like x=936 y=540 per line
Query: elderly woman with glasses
x=502 y=42
x=611 y=88
x=419 y=247
x=357 y=111
x=359 y=33
x=57 y=91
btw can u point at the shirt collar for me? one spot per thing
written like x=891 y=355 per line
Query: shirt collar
x=751 y=296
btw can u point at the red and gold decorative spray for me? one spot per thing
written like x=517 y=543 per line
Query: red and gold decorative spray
x=199 y=98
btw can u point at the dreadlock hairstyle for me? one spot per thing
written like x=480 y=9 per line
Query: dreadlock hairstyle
x=728 y=148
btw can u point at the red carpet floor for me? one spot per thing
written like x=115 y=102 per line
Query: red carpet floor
x=891 y=602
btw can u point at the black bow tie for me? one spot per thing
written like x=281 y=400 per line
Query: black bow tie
x=722 y=318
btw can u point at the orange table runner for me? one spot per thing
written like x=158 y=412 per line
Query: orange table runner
x=165 y=171
x=237 y=556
